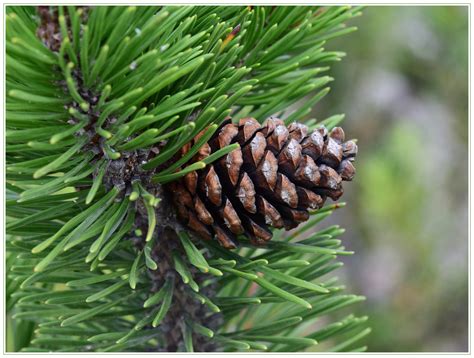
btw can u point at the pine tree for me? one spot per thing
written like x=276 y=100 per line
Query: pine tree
x=108 y=109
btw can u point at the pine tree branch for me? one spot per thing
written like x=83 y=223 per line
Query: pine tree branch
x=109 y=105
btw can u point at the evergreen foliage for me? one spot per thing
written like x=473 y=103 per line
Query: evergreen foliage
x=99 y=101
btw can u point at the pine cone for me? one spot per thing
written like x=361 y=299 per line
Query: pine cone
x=273 y=179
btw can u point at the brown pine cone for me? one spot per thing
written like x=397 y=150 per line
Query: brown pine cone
x=273 y=179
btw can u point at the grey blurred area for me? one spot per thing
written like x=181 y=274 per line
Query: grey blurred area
x=404 y=89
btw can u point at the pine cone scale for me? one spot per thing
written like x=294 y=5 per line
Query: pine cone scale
x=246 y=193
x=277 y=175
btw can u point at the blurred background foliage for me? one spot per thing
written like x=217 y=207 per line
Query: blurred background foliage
x=404 y=89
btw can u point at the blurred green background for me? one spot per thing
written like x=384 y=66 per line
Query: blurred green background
x=404 y=89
